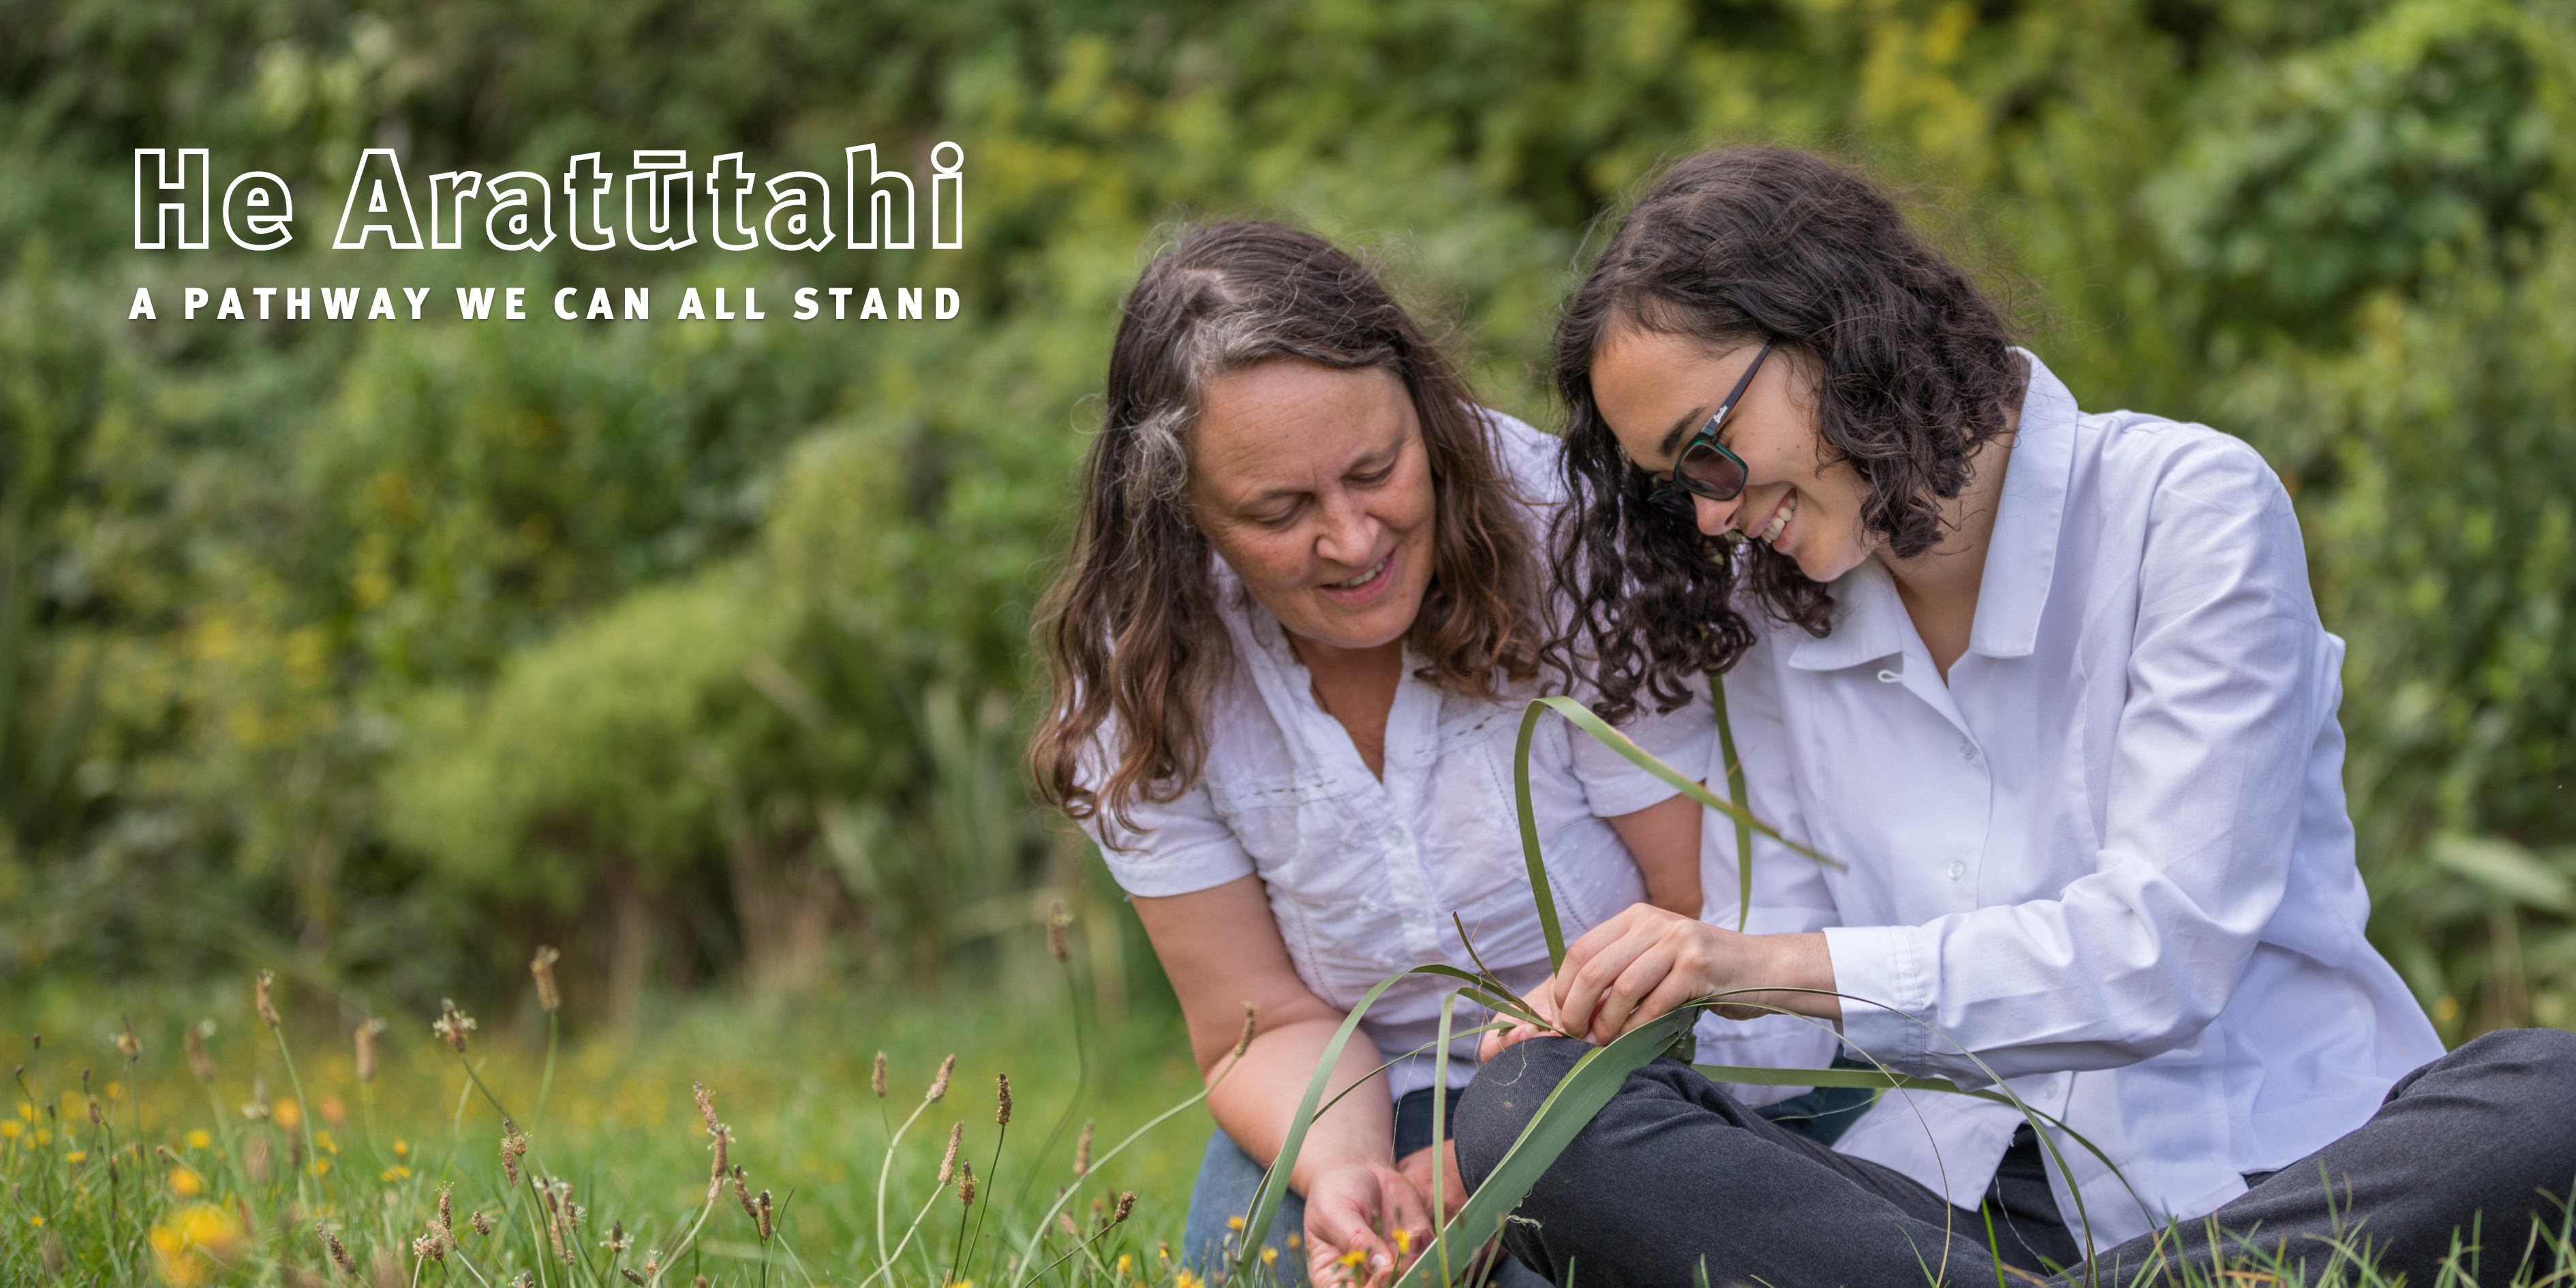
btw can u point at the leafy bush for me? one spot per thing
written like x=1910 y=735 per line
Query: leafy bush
x=344 y=643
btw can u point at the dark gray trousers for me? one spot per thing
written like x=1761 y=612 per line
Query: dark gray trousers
x=2479 y=1143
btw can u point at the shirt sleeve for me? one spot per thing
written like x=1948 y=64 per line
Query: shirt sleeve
x=2208 y=766
x=1175 y=847
x=1679 y=738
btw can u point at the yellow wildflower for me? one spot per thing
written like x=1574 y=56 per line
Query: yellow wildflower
x=9 y=1130
x=1126 y=1262
x=185 y=1182
x=1403 y=1242
x=76 y=1156
x=195 y=1244
x=397 y=1172
x=321 y=1166
x=402 y=1148
x=1234 y=1223
x=1270 y=1256
x=199 y=1139
x=287 y=1114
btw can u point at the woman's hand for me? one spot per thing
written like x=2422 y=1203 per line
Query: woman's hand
x=1646 y=961
x=1346 y=1208
x=1417 y=1166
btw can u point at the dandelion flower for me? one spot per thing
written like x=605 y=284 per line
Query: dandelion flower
x=185 y=1182
x=195 y=1244
x=1269 y=1255
x=1234 y=1223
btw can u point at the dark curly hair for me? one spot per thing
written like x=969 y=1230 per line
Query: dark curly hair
x=1910 y=363
x=1129 y=628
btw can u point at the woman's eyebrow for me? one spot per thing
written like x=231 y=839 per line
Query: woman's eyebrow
x=1672 y=441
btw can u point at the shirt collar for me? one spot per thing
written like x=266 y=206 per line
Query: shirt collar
x=2021 y=556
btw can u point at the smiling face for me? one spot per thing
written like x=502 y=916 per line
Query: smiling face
x=1655 y=391
x=1315 y=487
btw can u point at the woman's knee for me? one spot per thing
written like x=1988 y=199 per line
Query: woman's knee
x=1504 y=1097
x=2525 y=1082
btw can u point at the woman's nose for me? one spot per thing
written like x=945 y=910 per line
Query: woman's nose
x=1350 y=533
x=1714 y=516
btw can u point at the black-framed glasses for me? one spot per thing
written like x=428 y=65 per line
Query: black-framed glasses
x=1705 y=467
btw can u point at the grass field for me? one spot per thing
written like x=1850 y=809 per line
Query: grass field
x=132 y=1154
x=193 y=1181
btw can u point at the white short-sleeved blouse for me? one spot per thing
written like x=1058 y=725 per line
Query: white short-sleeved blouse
x=1364 y=875
x=2110 y=856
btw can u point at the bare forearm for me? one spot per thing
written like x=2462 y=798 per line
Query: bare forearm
x=1801 y=971
x=1664 y=840
x=1255 y=1102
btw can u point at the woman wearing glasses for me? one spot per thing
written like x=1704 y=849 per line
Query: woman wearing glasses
x=2051 y=686
x=1290 y=650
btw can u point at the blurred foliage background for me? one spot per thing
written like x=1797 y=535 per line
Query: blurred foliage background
x=378 y=651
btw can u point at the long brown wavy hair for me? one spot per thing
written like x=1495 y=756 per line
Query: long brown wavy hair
x=1913 y=370
x=1129 y=628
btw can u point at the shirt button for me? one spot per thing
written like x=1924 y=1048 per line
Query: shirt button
x=1967 y=750
x=1394 y=835
x=1958 y=870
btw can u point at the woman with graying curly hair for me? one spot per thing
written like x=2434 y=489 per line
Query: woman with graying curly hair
x=2052 y=688
x=1290 y=648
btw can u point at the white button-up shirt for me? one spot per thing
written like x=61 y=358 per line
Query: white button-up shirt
x=1362 y=874
x=2109 y=857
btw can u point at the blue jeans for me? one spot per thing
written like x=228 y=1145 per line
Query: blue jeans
x=1228 y=1176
